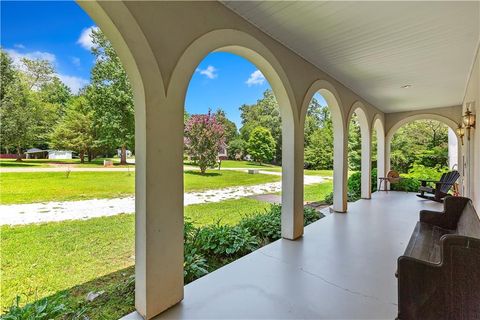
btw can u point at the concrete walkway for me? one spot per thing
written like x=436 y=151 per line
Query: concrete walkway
x=18 y=214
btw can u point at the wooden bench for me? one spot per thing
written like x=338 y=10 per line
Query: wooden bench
x=442 y=187
x=439 y=273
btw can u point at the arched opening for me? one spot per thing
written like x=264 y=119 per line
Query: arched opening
x=422 y=147
x=359 y=153
x=86 y=235
x=251 y=49
x=325 y=93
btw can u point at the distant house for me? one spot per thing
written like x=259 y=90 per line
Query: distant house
x=128 y=152
x=35 y=153
x=222 y=152
x=60 y=154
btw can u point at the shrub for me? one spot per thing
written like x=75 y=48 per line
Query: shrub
x=354 y=186
x=223 y=241
x=410 y=181
x=46 y=308
x=265 y=226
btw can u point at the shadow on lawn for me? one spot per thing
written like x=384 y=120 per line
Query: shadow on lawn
x=117 y=298
x=16 y=164
x=206 y=174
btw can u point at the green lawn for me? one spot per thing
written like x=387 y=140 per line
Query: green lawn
x=29 y=187
x=317 y=192
x=239 y=164
x=225 y=212
x=38 y=260
x=48 y=163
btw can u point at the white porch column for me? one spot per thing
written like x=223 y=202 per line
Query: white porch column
x=366 y=163
x=340 y=168
x=292 y=180
x=159 y=205
x=380 y=155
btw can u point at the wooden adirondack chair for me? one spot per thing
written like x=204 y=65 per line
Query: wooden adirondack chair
x=441 y=187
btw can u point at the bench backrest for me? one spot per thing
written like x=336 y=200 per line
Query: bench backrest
x=448 y=180
x=469 y=222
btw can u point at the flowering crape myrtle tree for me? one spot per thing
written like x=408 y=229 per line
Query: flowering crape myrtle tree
x=204 y=135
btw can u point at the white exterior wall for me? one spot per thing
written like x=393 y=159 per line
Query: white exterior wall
x=471 y=148
x=59 y=154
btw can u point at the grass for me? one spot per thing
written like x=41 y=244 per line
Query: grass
x=317 y=192
x=76 y=257
x=238 y=164
x=48 y=163
x=30 y=187
x=226 y=212
x=39 y=260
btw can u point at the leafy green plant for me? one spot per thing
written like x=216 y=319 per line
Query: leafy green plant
x=265 y=226
x=46 y=308
x=225 y=241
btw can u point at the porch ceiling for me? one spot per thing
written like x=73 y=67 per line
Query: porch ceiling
x=375 y=48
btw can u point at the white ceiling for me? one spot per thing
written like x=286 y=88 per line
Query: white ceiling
x=374 y=48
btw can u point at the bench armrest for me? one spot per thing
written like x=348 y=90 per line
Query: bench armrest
x=448 y=218
x=417 y=288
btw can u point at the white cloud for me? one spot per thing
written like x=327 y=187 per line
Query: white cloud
x=19 y=46
x=255 y=78
x=85 y=40
x=74 y=83
x=75 y=61
x=34 y=55
x=210 y=72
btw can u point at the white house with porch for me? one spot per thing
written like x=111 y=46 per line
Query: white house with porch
x=390 y=63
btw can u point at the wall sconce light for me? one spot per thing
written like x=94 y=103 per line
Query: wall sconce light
x=469 y=120
x=460 y=132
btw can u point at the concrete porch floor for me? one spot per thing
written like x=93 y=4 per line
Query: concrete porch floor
x=342 y=268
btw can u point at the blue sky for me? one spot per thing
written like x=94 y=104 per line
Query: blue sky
x=58 y=31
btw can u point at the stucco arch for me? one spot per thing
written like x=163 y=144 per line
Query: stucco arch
x=248 y=47
x=423 y=116
x=379 y=128
x=358 y=108
x=330 y=94
x=155 y=204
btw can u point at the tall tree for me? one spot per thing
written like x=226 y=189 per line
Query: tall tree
x=75 y=131
x=261 y=145
x=265 y=113
x=229 y=126
x=318 y=137
x=18 y=110
x=111 y=98
x=354 y=144
x=422 y=142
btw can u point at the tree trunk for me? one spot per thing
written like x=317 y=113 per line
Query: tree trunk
x=19 y=154
x=82 y=157
x=123 y=155
x=89 y=155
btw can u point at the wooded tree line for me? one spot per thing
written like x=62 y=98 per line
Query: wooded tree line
x=38 y=110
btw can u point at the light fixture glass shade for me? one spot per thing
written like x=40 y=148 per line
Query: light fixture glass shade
x=460 y=131
x=469 y=119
